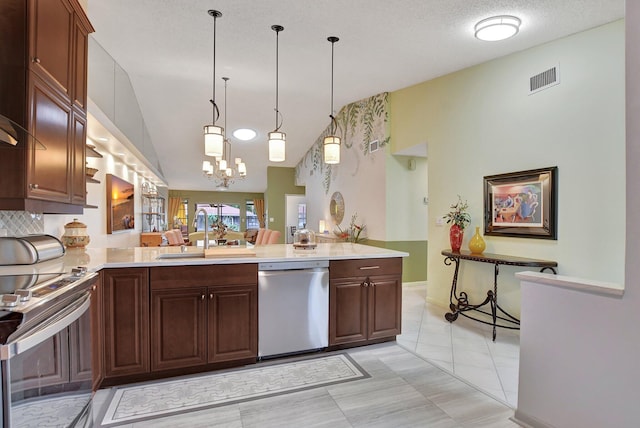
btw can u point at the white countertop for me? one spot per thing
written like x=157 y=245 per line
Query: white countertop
x=95 y=259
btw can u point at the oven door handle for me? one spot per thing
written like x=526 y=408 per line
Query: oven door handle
x=47 y=329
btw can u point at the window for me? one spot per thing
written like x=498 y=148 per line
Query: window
x=252 y=218
x=228 y=213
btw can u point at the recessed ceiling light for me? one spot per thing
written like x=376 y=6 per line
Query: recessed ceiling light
x=497 y=28
x=244 y=134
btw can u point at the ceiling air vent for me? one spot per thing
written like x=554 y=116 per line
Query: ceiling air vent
x=544 y=80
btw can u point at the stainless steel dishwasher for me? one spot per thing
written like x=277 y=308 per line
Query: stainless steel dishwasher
x=293 y=307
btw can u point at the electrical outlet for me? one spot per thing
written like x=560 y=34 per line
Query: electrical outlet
x=440 y=221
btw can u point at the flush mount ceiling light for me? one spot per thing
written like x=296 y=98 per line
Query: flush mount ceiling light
x=497 y=28
x=214 y=135
x=244 y=134
x=331 y=142
x=276 y=138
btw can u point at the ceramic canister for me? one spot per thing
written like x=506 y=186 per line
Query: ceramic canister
x=75 y=234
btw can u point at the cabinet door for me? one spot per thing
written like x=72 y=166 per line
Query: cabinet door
x=79 y=349
x=80 y=42
x=126 y=321
x=233 y=323
x=97 y=334
x=385 y=306
x=178 y=328
x=48 y=174
x=347 y=311
x=51 y=24
x=78 y=145
x=46 y=364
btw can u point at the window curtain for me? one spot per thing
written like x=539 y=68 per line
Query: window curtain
x=174 y=208
x=258 y=204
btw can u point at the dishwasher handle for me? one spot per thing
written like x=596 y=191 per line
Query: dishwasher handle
x=293 y=265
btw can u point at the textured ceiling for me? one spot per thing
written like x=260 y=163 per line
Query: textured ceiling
x=385 y=45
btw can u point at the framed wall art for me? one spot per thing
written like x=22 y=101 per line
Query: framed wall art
x=521 y=204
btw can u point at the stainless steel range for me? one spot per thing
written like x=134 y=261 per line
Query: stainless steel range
x=45 y=349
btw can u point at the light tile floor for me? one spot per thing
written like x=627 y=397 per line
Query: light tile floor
x=403 y=391
x=464 y=347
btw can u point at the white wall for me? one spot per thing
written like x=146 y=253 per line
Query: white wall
x=96 y=218
x=481 y=121
x=407 y=214
x=579 y=351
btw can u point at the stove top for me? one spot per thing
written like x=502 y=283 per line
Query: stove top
x=28 y=299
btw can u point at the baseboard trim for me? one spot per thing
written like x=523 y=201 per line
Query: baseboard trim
x=528 y=421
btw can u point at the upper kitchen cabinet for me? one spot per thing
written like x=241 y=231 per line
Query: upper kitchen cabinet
x=43 y=64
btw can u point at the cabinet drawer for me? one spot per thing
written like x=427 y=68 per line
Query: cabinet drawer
x=364 y=267
x=167 y=277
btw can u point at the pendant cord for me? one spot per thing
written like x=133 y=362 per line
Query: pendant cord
x=277 y=29
x=333 y=41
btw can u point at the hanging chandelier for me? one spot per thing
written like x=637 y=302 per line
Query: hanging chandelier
x=277 y=138
x=222 y=170
x=214 y=135
x=331 y=143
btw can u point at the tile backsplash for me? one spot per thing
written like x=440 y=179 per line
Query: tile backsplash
x=20 y=223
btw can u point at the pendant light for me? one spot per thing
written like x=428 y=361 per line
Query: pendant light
x=331 y=142
x=214 y=135
x=276 y=138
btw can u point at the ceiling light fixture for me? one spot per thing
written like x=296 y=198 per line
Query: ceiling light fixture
x=222 y=170
x=214 y=135
x=497 y=28
x=244 y=134
x=276 y=138
x=332 y=142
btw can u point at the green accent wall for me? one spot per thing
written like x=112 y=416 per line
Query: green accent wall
x=280 y=182
x=202 y=197
x=414 y=267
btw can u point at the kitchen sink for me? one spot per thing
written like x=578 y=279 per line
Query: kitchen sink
x=187 y=253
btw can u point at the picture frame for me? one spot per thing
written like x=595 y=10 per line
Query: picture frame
x=120 y=205
x=522 y=204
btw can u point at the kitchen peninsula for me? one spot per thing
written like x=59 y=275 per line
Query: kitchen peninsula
x=166 y=311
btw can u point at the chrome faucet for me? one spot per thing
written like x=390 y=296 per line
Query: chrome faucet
x=206 y=226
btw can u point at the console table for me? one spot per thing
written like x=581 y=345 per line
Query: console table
x=459 y=302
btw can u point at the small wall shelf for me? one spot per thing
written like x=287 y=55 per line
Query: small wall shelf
x=91 y=152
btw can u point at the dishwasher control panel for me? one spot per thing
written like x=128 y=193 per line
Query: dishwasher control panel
x=293 y=265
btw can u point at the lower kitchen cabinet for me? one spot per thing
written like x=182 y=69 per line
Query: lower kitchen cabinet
x=365 y=301
x=233 y=323
x=178 y=328
x=125 y=321
x=195 y=321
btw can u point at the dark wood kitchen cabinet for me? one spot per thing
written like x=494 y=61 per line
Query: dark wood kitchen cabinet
x=203 y=315
x=43 y=64
x=365 y=301
x=125 y=321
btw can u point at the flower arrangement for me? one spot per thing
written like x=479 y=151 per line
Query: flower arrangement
x=458 y=214
x=219 y=229
x=353 y=232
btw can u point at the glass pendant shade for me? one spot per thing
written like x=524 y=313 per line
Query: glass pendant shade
x=205 y=165
x=213 y=140
x=210 y=170
x=276 y=146
x=229 y=172
x=331 y=149
x=242 y=169
x=222 y=165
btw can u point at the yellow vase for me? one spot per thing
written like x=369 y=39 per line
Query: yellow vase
x=477 y=244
